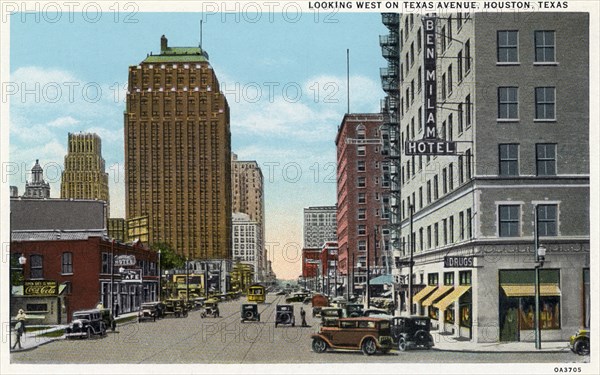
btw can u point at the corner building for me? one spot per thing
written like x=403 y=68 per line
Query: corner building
x=178 y=152
x=512 y=91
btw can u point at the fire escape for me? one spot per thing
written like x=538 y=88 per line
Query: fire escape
x=390 y=108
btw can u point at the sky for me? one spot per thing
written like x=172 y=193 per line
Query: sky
x=283 y=73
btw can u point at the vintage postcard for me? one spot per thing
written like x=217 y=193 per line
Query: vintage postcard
x=299 y=186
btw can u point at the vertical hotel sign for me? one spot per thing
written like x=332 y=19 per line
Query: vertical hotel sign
x=430 y=144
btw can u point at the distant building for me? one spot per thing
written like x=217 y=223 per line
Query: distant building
x=117 y=229
x=319 y=226
x=37 y=187
x=247 y=246
x=57 y=215
x=14 y=192
x=310 y=268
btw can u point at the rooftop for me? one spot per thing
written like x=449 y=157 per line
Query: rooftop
x=177 y=54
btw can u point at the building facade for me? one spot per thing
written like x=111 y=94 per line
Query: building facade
x=248 y=197
x=513 y=95
x=84 y=175
x=363 y=191
x=319 y=225
x=178 y=152
x=247 y=243
x=330 y=282
x=37 y=187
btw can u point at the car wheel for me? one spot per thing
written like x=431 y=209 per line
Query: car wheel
x=421 y=336
x=319 y=345
x=582 y=347
x=369 y=347
x=248 y=315
x=402 y=344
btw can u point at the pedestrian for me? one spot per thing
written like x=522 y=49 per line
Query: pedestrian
x=21 y=317
x=117 y=310
x=303 y=316
x=19 y=331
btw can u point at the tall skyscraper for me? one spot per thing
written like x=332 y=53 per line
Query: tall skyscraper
x=178 y=152
x=248 y=198
x=84 y=175
x=37 y=187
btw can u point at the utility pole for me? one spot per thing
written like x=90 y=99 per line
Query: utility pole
x=410 y=275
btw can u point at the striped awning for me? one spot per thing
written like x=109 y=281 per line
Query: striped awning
x=437 y=294
x=423 y=293
x=528 y=290
x=451 y=297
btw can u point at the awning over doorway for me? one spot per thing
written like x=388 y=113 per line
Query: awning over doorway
x=451 y=297
x=528 y=290
x=423 y=293
x=437 y=294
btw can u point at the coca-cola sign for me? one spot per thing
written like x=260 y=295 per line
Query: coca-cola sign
x=40 y=288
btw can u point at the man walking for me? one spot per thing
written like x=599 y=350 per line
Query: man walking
x=303 y=316
x=19 y=330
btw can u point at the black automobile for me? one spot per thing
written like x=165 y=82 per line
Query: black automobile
x=411 y=332
x=250 y=312
x=284 y=314
x=108 y=319
x=354 y=310
x=580 y=342
x=150 y=311
x=298 y=297
x=86 y=323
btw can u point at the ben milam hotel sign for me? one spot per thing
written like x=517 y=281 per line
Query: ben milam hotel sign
x=430 y=144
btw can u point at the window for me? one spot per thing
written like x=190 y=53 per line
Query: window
x=469 y=223
x=428 y=192
x=436 y=235
x=419 y=39
x=546 y=215
x=460 y=118
x=432 y=279
x=419 y=79
x=450 y=83
x=36 y=270
x=509 y=159
x=360 y=151
x=420 y=197
x=508 y=46
x=461 y=223
x=469 y=109
x=362 y=245
x=450 y=126
x=412 y=53
x=545 y=159
x=448 y=278
x=451 y=229
x=67 y=262
x=444 y=86
x=508 y=103
x=443 y=39
x=451 y=176
x=544 y=46
x=362 y=214
x=362 y=198
x=449 y=29
x=468 y=163
x=429 y=236
x=362 y=230
x=360 y=166
x=508 y=218
x=467 y=56
x=435 y=187
x=105 y=263
x=460 y=65
x=361 y=182
x=461 y=170
x=545 y=103
x=444 y=181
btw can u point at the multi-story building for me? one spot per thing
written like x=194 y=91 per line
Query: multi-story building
x=363 y=187
x=310 y=268
x=513 y=96
x=247 y=244
x=37 y=187
x=178 y=152
x=84 y=175
x=248 y=198
x=330 y=282
x=319 y=226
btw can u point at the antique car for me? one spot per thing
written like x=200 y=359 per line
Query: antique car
x=86 y=323
x=339 y=302
x=378 y=313
x=175 y=307
x=353 y=310
x=284 y=314
x=362 y=333
x=411 y=332
x=150 y=311
x=210 y=308
x=297 y=297
x=108 y=319
x=318 y=302
x=250 y=312
x=330 y=316
x=580 y=342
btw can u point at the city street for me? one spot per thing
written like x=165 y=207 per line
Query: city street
x=226 y=340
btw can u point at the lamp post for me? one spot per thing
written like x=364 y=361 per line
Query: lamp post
x=410 y=266
x=540 y=257
x=22 y=262
x=187 y=280
x=112 y=278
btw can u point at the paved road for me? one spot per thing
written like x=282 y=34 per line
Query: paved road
x=226 y=340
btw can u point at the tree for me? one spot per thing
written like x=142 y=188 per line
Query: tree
x=168 y=258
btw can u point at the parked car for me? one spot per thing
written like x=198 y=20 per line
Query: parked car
x=150 y=311
x=211 y=309
x=411 y=332
x=108 y=319
x=330 y=316
x=284 y=314
x=297 y=297
x=377 y=313
x=354 y=310
x=318 y=302
x=580 y=342
x=250 y=312
x=86 y=323
x=362 y=333
x=175 y=307
x=339 y=302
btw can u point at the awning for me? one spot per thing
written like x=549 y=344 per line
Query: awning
x=451 y=297
x=423 y=293
x=437 y=294
x=381 y=280
x=528 y=290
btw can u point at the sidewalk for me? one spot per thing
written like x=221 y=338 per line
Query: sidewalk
x=449 y=343
x=32 y=339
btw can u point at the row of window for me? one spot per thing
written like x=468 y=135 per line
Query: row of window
x=508 y=46
x=545 y=159
x=447 y=233
x=545 y=103
x=509 y=220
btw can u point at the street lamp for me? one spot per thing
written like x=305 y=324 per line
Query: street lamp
x=22 y=262
x=540 y=257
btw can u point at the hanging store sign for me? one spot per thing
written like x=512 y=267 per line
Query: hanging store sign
x=132 y=276
x=430 y=144
x=459 y=261
x=124 y=260
x=40 y=288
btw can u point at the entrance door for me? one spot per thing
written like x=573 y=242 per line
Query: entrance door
x=509 y=318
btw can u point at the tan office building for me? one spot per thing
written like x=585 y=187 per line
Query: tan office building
x=178 y=152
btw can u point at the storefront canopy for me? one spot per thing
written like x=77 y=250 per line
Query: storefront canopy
x=381 y=280
x=528 y=290
x=423 y=293
x=451 y=297
x=437 y=294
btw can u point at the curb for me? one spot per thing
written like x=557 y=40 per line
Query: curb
x=500 y=351
x=35 y=345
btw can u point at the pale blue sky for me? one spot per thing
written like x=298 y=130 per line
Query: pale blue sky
x=290 y=127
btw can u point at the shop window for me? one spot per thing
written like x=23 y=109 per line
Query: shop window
x=448 y=278
x=432 y=279
x=434 y=313
x=449 y=314
x=37 y=307
x=464 y=277
x=549 y=312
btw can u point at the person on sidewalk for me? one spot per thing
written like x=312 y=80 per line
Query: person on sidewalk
x=21 y=317
x=303 y=317
x=19 y=331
